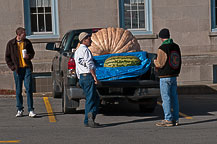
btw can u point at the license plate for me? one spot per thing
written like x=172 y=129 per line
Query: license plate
x=115 y=90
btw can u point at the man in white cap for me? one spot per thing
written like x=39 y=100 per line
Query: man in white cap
x=85 y=70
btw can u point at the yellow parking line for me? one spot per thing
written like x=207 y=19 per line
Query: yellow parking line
x=13 y=141
x=185 y=116
x=181 y=114
x=49 y=110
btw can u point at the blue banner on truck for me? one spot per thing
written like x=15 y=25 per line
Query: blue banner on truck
x=115 y=73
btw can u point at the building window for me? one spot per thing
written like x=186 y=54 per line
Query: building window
x=136 y=16
x=214 y=14
x=40 y=15
x=41 y=18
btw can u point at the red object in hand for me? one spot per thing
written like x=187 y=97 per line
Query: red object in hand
x=26 y=56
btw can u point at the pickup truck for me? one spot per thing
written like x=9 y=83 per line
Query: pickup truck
x=143 y=90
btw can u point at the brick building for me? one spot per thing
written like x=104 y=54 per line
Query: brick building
x=192 y=24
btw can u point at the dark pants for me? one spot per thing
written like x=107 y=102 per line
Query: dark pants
x=24 y=74
x=92 y=98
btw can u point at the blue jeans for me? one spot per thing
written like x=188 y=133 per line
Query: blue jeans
x=92 y=98
x=24 y=74
x=168 y=89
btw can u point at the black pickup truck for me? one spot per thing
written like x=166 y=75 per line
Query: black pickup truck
x=143 y=90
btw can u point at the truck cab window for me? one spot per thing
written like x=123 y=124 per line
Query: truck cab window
x=75 y=42
x=63 y=42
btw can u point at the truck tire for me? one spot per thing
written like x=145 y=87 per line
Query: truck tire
x=148 y=106
x=55 y=91
x=67 y=105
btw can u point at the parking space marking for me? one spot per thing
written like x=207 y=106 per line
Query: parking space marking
x=180 y=113
x=49 y=110
x=13 y=141
x=185 y=116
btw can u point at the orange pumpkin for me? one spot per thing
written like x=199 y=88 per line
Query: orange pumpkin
x=113 y=40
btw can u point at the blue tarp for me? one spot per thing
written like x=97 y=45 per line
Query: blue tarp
x=108 y=73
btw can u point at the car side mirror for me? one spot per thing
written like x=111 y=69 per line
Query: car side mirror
x=52 y=46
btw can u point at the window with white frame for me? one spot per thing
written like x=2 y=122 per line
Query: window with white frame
x=214 y=14
x=135 y=15
x=40 y=14
x=41 y=18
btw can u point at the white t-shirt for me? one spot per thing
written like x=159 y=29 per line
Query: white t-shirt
x=83 y=60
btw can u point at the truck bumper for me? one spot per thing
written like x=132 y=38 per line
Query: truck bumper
x=75 y=93
x=140 y=93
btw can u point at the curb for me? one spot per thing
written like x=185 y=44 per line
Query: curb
x=41 y=94
x=197 y=89
x=182 y=90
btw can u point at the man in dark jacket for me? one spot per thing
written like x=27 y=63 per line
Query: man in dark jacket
x=19 y=52
x=168 y=64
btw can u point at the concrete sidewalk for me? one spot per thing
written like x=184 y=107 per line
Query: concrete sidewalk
x=182 y=90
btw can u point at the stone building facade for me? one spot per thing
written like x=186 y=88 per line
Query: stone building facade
x=191 y=23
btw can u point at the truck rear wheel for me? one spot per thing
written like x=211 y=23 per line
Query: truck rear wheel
x=55 y=91
x=148 y=105
x=66 y=103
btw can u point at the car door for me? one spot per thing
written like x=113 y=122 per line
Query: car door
x=58 y=59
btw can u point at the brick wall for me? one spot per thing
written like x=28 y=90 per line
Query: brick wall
x=188 y=21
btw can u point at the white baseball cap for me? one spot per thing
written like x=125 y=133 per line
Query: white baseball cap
x=82 y=36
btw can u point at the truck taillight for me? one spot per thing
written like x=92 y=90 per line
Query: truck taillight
x=71 y=64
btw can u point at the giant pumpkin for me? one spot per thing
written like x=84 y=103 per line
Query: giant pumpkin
x=113 y=40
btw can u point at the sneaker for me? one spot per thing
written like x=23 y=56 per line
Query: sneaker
x=165 y=123
x=32 y=114
x=94 y=125
x=19 y=113
x=175 y=122
x=90 y=119
x=91 y=122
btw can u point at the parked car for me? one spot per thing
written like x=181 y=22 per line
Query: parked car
x=143 y=90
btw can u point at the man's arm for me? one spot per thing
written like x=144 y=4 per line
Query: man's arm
x=8 y=58
x=93 y=73
x=161 y=59
x=90 y=64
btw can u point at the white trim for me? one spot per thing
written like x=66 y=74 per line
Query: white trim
x=42 y=36
x=55 y=22
x=148 y=18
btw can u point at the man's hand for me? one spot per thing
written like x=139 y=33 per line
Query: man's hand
x=26 y=56
x=94 y=76
x=155 y=61
x=96 y=81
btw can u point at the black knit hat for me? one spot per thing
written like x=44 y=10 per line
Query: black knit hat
x=164 y=33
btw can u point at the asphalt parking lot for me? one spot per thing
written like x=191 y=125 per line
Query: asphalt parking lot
x=122 y=123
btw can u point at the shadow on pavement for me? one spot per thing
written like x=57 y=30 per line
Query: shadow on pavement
x=197 y=89
x=40 y=115
x=129 y=122
x=126 y=109
x=199 y=122
x=197 y=105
